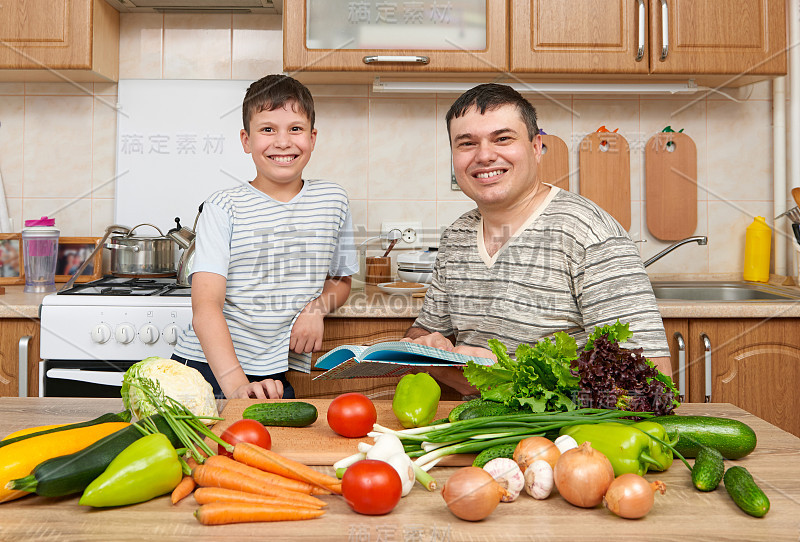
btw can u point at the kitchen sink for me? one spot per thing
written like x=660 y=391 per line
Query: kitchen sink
x=728 y=291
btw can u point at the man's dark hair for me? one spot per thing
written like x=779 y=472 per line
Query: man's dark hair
x=273 y=92
x=491 y=96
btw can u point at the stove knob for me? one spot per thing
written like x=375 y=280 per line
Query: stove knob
x=171 y=333
x=101 y=333
x=124 y=333
x=148 y=333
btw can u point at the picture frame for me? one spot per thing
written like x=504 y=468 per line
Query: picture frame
x=72 y=252
x=12 y=268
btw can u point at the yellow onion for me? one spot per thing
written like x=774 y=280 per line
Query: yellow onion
x=630 y=496
x=532 y=448
x=472 y=494
x=582 y=475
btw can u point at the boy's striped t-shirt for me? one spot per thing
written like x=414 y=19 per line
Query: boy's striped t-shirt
x=275 y=256
x=570 y=267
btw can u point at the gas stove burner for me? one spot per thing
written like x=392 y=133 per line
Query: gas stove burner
x=125 y=286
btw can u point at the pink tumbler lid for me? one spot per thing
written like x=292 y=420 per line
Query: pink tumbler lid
x=44 y=221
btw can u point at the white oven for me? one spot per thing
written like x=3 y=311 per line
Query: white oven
x=92 y=333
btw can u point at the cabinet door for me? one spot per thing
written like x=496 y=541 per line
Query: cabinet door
x=578 y=36
x=677 y=330
x=754 y=364
x=737 y=37
x=12 y=330
x=455 y=36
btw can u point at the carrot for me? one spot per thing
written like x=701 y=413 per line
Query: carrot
x=269 y=461
x=186 y=485
x=205 y=495
x=266 y=477
x=210 y=476
x=223 y=513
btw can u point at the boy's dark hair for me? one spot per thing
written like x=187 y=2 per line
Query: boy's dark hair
x=273 y=92
x=491 y=96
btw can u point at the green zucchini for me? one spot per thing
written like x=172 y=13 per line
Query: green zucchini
x=72 y=473
x=487 y=408
x=124 y=416
x=708 y=469
x=501 y=450
x=732 y=438
x=745 y=492
x=456 y=412
x=288 y=414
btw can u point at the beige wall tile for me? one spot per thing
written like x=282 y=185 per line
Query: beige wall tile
x=141 y=44
x=402 y=139
x=12 y=117
x=59 y=89
x=352 y=91
x=690 y=258
x=197 y=46
x=105 y=89
x=102 y=216
x=341 y=152
x=58 y=146
x=396 y=211
x=15 y=213
x=444 y=154
x=104 y=138
x=358 y=209
x=447 y=212
x=73 y=215
x=257 y=46
x=739 y=151
x=727 y=223
x=12 y=89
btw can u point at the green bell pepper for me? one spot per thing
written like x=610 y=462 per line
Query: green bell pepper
x=627 y=447
x=416 y=400
x=146 y=469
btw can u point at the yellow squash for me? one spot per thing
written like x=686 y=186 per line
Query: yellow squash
x=20 y=458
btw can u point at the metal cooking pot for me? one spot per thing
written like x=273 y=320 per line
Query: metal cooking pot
x=142 y=256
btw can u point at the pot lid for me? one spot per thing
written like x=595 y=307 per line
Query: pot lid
x=418 y=260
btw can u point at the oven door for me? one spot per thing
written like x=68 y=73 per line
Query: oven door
x=68 y=378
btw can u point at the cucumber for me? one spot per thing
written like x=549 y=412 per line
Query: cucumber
x=123 y=416
x=487 y=408
x=732 y=438
x=456 y=412
x=72 y=473
x=745 y=493
x=289 y=414
x=708 y=469
x=501 y=450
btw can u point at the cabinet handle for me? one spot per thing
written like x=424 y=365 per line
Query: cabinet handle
x=640 y=50
x=707 y=355
x=403 y=59
x=22 y=372
x=681 y=365
x=664 y=30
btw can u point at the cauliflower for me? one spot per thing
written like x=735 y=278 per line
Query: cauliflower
x=182 y=383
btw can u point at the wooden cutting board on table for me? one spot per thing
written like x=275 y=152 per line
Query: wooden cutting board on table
x=317 y=444
x=554 y=166
x=671 y=185
x=605 y=174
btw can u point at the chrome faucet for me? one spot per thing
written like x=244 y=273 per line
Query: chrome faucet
x=699 y=239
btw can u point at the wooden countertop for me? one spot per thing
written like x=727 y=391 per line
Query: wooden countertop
x=682 y=514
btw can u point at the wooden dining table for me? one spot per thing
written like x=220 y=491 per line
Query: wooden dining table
x=683 y=513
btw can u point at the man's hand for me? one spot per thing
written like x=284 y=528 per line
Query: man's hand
x=307 y=332
x=475 y=352
x=436 y=340
x=265 y=389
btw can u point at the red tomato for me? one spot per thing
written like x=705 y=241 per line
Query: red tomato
x=245 y=431
x=371 y=487
x=352 y=415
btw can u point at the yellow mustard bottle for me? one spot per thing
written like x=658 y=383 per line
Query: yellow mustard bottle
x=756 y=251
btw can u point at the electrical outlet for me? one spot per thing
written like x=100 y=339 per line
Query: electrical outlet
x=411 y=234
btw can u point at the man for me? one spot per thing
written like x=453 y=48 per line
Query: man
x=531 y=259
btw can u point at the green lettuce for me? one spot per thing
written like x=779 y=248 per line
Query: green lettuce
x=539 y=378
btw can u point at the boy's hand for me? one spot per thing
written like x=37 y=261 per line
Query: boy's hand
x=265 y=389
x=307 y=332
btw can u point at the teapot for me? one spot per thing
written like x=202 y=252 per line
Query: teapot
x=184 y=238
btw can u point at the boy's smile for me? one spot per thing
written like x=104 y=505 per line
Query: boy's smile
x=281 y=142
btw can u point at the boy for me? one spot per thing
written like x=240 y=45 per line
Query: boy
x=272 y=257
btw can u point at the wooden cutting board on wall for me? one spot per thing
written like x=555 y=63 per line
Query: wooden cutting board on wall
x=604 y=163
x=554 y=166
x=671 y=185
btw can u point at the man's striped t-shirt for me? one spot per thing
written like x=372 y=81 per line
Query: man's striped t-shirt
x=276 y=256
x=570 y=267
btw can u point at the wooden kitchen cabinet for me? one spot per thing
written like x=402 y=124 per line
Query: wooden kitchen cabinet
x=677 y=330
x=333 y=55
x=704 y=37
x=57 y=40
x=12 y=331
x=365 y=331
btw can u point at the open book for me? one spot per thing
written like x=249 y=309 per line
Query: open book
x=387 y=359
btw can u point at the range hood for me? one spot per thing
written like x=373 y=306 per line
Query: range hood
x=198 y=6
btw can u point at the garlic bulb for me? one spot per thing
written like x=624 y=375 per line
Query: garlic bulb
x=539 y=479
x=508 y=474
